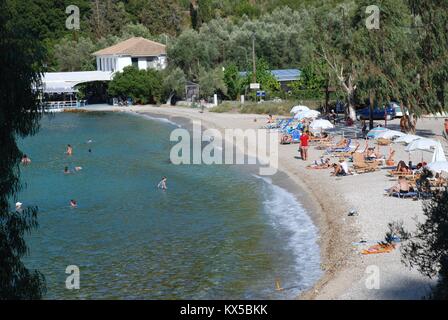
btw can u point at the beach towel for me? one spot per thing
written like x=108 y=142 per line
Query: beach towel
x=379 y=248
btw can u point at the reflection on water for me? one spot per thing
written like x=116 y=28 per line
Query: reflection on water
x=217 y=233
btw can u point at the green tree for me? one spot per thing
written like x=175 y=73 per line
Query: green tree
x=22 y=56
x=107 y=17
x=427 y=248
x=174 y=83
x=380 y=53
x=73 y=55
x=311 y=83
x=211 y=82
x=159 y=16
x=265 y=78
x=235 y=83
x=143 y=86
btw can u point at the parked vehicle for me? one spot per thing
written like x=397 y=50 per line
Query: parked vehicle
x=398 y=111
x=378 y=113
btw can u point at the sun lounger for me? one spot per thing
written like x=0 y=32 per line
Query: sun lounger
x=345 y=148
x=296 y=136
x=394 y=173
x=404 y=195
x=361 y=166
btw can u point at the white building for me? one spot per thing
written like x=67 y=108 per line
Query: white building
x=139 y=52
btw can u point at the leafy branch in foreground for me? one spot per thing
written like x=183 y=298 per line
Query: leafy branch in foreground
x=22 y=55
x=427 y=248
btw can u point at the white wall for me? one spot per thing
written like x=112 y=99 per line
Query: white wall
x=123 y=62
x=142 y=64
x=113 y=63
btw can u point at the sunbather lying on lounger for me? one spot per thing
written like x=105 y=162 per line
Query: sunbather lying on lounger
x=323 y=164
x=403 y=168
x=402 y=186
x=373 y=154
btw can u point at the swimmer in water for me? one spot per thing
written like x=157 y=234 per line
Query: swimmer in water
x=66 y=171
x=73 y=203
x=18 y=206
x=78 y=168
x=25 y=160
x=90 y=150
x=69 y=150
x=162 y=184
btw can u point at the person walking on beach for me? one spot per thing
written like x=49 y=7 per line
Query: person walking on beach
x=162 y=184
x=69 y=150
x=304 y=145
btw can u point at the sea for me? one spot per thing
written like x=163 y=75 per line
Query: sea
x=217 y=232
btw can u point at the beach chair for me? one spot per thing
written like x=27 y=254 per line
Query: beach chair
x=405 y=195
x=361 y=166
x=393 y=173
x=345 y=148
x=296 y=136
x=285 y=125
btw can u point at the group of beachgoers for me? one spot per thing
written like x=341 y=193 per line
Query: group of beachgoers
x=367 y=160
x=25 y=160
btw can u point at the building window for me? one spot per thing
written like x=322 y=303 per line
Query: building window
x=135 y=62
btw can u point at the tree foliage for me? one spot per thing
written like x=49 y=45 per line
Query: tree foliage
x=211 y=82
x=22 y=55
x=234 y=81
x=143 y=86
x=427 y=248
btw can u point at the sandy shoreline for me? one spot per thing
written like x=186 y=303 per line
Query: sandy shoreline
x=331 y=199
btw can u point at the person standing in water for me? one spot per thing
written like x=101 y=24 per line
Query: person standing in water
x=69 y=150
x=25 y=160
x=162 y=184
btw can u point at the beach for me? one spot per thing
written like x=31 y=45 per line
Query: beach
x=331 y=199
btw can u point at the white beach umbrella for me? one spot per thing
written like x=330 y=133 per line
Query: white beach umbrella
x=321 y=124
x=307 y=114
x=422 y=144
x=439 y=154
x=438 y=166
x=389 y=134
x=298 y=109
x=408 y=138
x=376 y=131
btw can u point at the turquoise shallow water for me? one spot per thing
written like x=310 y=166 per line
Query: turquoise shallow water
x=219 y=232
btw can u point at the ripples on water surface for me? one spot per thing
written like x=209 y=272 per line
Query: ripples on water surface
x=219 y=232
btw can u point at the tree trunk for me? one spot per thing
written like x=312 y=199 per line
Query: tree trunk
x=168 y=101
x=351 y=106
x=371 y=101
x=412 y=123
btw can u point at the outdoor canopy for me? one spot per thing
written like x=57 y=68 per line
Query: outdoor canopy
x=439 y=154
x=375 y=131
x=438 y=166
x=298 y=109
x=307 y=114
x=389 y=134
x=321 y=124
x=408 y=138
x=422 y=144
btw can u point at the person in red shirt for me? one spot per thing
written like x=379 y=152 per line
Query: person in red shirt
x=304 y=145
